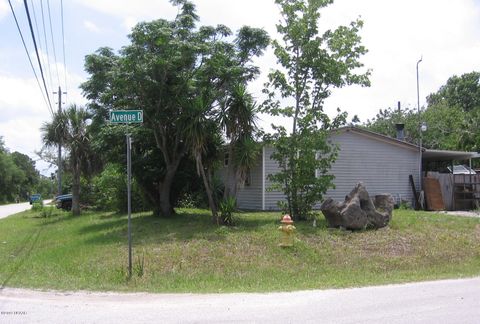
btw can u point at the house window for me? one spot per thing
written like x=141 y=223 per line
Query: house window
x=225 y=159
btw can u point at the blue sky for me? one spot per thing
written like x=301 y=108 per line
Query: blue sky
x=397 y=34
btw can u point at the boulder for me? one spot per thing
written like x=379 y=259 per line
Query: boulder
x=358 y=211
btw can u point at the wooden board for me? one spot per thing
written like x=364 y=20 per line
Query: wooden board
x=433 y=194
x=446 y=186
x=415 y=193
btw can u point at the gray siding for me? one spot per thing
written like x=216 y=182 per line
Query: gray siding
x=249 y=197
x=383 y=166
x=271 y=167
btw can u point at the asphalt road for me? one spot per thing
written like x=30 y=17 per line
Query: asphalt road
x=7 y=210
x=448 y=301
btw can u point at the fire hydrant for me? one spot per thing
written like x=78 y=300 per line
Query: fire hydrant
x=288 y=230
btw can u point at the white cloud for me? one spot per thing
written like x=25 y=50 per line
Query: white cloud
x=232 y=13
x=397 y=34
x=137 y=8
x=23 y=111
x=129 y=23
x=15 y=103
x=90 y=26
x=4 y=9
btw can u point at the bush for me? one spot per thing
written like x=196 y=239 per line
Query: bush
x=37 y=205
x=47 y=212
x=227 y=207
x=110 y=191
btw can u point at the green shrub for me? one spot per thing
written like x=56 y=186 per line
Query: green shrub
x=110 y=191
x=37 y=206
x=227 y=207
x=47 y=212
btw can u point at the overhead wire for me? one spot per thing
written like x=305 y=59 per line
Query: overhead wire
x=38 y=56
x=53 y=41
x=39 y=39
x=28 y=55
x=46 y=46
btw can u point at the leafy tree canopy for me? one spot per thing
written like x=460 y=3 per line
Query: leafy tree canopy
x=459 y=91
x=452 y=117
x=171 y=70
x=311 y=65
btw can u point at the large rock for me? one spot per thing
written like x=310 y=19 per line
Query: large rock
x=358 y=211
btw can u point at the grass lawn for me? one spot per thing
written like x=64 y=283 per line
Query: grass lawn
x=189 y=254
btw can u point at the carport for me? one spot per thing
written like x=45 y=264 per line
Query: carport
x=456 y=191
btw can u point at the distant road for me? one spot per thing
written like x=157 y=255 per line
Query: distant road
x=446 y=301
x=7 y=210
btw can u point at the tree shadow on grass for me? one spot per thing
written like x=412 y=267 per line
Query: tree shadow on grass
x=149 y=229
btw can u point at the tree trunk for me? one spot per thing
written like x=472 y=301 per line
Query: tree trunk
x=165 y=209
x=76 y=189
x=231 y=181
x=208 y=189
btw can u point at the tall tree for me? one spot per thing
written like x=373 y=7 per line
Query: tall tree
x=200 y=133
x=452 y=117
x=459 y=91
x=31 y=179
x=312 y=63
x=458 y=100
x=167 y=65
x=11 y=178
x=238 y=119
x=69 y=127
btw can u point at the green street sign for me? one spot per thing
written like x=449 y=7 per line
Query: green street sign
x=126 y=116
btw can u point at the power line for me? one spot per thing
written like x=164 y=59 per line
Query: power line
x=46 y=45
x=28 y=55
x=36 y=52
x=43 y=58
x=53 y=42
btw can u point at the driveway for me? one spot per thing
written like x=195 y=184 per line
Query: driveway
x=7 y=210
x=447 y=301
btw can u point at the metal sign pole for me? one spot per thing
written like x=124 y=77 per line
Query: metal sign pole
x=129 y=198
x=128 y=117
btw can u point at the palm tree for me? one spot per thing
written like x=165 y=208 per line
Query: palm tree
x=238 y=119
x=200 y=134
x=69 y=128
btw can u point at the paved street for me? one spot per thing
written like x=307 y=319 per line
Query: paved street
x=448 y=301
x=7 y=210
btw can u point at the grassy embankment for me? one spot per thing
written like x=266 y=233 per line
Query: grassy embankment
x=189 y=254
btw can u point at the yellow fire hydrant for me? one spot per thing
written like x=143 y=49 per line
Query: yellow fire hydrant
x=288 y=230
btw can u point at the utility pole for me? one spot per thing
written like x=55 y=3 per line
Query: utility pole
x=59 y=158
x=419 y=130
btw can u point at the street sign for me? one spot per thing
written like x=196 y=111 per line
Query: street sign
x=126 y=116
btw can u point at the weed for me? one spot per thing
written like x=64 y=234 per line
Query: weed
x=47 y=212
x=37 y=206
x=139 y=266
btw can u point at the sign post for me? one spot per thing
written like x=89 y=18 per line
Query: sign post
x=128 y=117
